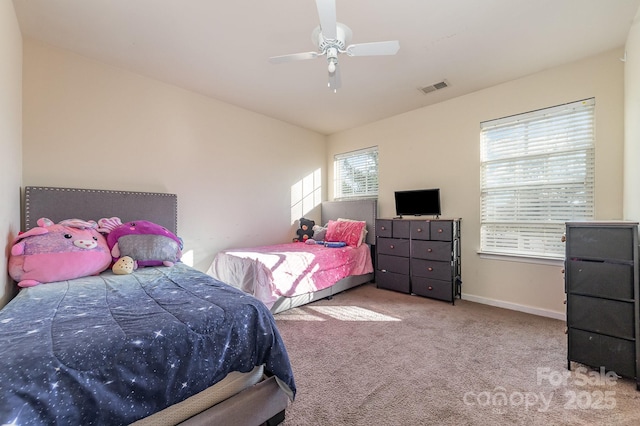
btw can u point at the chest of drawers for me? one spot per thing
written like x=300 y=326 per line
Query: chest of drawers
x=601 y=282
x=418 y=256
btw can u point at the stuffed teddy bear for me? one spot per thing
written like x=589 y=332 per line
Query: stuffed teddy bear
x=52 y=252
x=145 y=243
x=306 y=230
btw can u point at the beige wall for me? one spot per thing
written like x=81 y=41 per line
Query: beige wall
x=94 y=126
x=632 y=123
x=90 y=125
x=438 y=146
x=10 y=138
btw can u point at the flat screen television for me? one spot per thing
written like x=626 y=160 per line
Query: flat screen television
x=420 y=202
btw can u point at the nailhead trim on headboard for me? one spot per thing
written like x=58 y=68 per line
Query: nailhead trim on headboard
x=92 y=204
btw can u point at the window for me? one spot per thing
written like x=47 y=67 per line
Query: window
x=356 y=174
x=537 y=172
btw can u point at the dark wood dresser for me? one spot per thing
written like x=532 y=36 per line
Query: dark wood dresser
x=419 y=256
x=601 y=283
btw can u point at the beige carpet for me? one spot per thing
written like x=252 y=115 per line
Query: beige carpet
x=376 y=357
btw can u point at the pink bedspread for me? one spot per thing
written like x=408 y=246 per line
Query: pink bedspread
x=291 y=269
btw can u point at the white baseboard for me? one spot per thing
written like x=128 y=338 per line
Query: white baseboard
x=515 y=307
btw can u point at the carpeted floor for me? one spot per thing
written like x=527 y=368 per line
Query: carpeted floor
x=376 y=357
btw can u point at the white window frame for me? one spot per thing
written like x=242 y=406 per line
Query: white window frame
x=355 y=174
x=537 y=172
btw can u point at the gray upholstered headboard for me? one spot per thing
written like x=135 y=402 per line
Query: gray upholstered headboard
x=92 y=204
x=366 y=210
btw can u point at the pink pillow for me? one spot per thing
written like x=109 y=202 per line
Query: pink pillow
x=363 y=237
x=347 y=231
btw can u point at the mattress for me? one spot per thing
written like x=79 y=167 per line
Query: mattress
x=288 y=270
x=232 y=384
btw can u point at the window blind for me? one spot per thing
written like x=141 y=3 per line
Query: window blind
x=356 y=173
x=537 y=172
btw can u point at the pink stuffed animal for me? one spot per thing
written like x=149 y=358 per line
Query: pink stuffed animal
x=71 y=249
x=147 y=243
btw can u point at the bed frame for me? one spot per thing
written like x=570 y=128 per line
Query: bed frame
x=365 y=209
x=262 y=403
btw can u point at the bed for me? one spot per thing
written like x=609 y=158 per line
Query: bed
x=163 y=345
x=285 y=276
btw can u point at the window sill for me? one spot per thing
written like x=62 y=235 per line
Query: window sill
x=356 y=197
x=550 y=261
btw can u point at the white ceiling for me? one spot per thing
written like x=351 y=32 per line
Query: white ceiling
x=221 y=48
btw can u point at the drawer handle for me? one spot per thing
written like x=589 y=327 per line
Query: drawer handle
x=429 y=250
x=440 y=231
x=383 y=270
x=392 y=246
x=383 y=228
x=429 y=288
x=430 y=269
x=419 y=229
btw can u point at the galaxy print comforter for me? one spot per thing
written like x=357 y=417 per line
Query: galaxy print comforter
x=111 y=349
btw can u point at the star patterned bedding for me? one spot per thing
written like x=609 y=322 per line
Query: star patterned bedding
x=111 y=349
x=292 y=269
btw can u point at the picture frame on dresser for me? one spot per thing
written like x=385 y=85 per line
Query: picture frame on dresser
x=419 y=256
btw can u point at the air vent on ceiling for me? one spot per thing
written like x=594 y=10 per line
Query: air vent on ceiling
x=434 y=87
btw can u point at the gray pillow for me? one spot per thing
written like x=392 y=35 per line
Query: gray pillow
x=319 y=232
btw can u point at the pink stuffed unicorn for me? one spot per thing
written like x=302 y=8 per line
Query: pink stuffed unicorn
x=52 y=252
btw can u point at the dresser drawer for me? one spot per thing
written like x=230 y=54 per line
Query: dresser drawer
x=441 y=230
x=597 y=350
x=611 y=280
x=601 y=315
x=431 y=269
x=433 y=250
x=384 y=228
x=393 y=281
x=600 y=242
x=432 y=288
x=420 y=229
x=399 y=265
x=393 y=246
x=401 y=228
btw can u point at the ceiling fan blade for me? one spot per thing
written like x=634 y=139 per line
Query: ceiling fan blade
x=373 y=49
x=334 y=79
x=328 y=20
x=293 y=57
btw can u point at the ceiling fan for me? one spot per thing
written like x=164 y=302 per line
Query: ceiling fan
x=332 y=38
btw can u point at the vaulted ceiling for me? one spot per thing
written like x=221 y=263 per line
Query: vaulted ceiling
x=221 y=49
